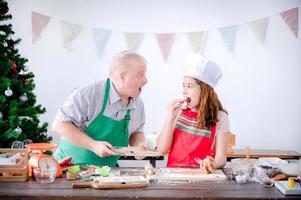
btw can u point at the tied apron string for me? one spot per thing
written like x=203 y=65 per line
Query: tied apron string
x=127 y=119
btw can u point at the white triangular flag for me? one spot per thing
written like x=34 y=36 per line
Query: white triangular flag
x=197 y=41
x=229 y=37
x=133 y=40
x=70 y=32
x=260 y=28
x=101 y=38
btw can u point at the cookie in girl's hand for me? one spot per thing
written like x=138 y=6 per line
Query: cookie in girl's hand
x=186 y=103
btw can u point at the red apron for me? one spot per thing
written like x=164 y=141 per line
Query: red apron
x=189 y=142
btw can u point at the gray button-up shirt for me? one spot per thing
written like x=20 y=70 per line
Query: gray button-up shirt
x=85 y=103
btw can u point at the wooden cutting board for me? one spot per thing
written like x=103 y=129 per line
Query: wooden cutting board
x=135 y=151
x=113 y=182
x=186 y=174
x=99 y=185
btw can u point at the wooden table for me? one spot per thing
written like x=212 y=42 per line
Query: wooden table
x=152 y=160
x=259 y=153
x=62 y=189
x=238 y=153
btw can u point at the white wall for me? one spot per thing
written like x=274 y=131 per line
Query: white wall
x=261 y=84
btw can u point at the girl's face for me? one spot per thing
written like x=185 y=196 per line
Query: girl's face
x=192 y=90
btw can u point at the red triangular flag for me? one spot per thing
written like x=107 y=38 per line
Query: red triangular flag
x=165 y=41
x=39 y=22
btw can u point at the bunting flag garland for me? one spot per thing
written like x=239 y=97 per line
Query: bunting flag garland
x=291 y=19
x=260 y=28
x=133 y=40
x=197 y=41
x=101 y=38
x=70 y=32
x=39 y=22
x=165 y=42
x=229 y=37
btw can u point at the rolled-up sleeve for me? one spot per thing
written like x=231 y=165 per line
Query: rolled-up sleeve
x=223 y=124
x=76 y=107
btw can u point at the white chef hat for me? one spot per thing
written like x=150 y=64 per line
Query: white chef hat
x=202 y=69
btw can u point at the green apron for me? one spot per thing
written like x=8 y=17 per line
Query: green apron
x=102 y=128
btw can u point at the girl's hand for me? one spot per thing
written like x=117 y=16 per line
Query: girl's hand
x=174 y=107
x=208 y=165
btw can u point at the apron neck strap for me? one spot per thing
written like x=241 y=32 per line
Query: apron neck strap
x=107 y=92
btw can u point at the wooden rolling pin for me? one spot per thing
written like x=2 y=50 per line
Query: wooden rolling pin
x=149 y=169
x=99 y=185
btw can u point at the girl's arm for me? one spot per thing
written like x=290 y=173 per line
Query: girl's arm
x=210 y=164
x=221 y=150
x=220 y=145
x=223 y=127
x=164 y=140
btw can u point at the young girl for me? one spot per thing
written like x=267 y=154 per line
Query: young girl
x=194 y=136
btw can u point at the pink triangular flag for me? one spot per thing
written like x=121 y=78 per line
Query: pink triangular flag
x=165 y=42
x=39 y=22
x=291 y=19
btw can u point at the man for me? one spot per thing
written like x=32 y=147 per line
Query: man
x=101 y=115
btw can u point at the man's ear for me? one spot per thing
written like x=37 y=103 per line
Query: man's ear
x=122 y=76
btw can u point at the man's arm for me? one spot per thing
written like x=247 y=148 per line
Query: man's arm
x=74 y=135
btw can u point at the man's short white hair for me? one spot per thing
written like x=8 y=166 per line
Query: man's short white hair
x=122 y=62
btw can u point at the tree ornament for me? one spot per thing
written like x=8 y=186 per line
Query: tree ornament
x=14 y=66
x=4 y=9
x=25 y=117
x=4 y=44
x=1 y=115
x=27 y=141
x=23 y=97
x=18 y=130
x=17 y=145
x=8 y=92
x=25 y=68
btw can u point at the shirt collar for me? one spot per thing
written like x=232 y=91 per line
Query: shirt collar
x=114 y=98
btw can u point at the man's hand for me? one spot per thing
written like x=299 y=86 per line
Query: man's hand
x=102 y=148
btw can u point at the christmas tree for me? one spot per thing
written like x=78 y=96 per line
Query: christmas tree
x=18 y=109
